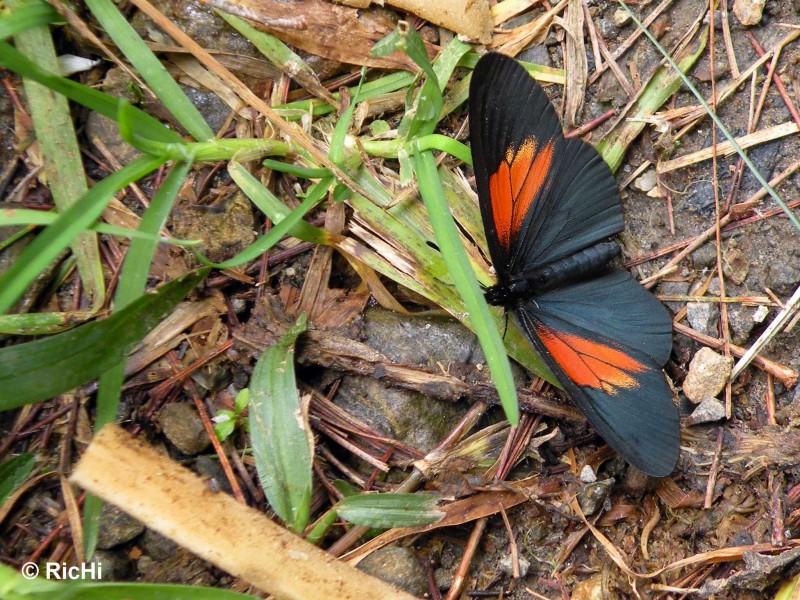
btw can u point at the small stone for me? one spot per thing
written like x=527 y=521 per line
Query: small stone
x=708 y=411
x=701 y=198
x=742 y=322
x=397 y=566
x=782 y=277
x=507 y=566
x=646 y=181
x=157 y=546
x=708 y=373
x=705 y=256
x=748 y=11
x=593 y=495
x=594 y=588
x=588 y=475
x=537 y=55
x=116 y=527
x=621 y=17
x=183 y=427
x=703 y=317
x=114 y=565
x=735 y=265
x=674 y=288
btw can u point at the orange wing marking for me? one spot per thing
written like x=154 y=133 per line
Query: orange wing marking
x=591 y=364
x=515 y=185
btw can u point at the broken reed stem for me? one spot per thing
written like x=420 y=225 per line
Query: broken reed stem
x=177 y=503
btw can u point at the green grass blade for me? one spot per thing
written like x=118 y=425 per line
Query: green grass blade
x=753 y=169
x=150 y=68
x=92 y=99
x=81 y=354
x=56 y=237
x=386 y=511
x=280 y=434
x=464 y=279
x=52 y=123
x=26 y=17
x=14 y=472
x=13 y=586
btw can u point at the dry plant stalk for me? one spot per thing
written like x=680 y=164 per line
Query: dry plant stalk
x=238 y=539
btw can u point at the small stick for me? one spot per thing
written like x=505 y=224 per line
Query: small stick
x=587 y=127
x=469 y=552
x=777 y=325
x=769 y=400
x=776 y=79
x=712 y=474
x=775 y=480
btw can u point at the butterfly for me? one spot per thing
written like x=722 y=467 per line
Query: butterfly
x=549 y=206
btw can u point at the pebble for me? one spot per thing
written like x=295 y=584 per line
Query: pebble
x=588 y=475
x=507 y=566
x=646 y=181
x=592 y=497
x=397 y=566
x=157 y=546
x=708 y=373
x=703 y=317
x=183 y=428
x=621 y=17
x=782 y=276
x=708 y=411
x=748 y=11
x=594 y=588
x=735 y=265
x=116 y=527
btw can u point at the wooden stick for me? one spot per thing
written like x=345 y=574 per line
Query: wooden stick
x=238 y=539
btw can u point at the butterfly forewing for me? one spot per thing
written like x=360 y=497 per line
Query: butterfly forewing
x=540 y=209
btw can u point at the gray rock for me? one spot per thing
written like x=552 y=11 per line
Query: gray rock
x=116 y=527
x=211 y=107
x=157 y=546
x=209 y=467
x=708 y=373
x=415 y=340
x=397 y=566
x=114 y=565
x=674 y=288
x=507 y=566
x=592 y=496
x=708 y=411
x=703 y=317
x=182 y=425
x=742 y=320
x=701 y=198
x=783 y=276
x=537 y=54
x=705 y=256
x=117 y=83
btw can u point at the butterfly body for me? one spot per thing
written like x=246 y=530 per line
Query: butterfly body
x=550 y=206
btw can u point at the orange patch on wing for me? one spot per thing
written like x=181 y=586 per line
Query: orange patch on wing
x=514 y=185
x=591 y=364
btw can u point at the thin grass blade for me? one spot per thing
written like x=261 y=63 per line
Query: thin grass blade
x=387 y=511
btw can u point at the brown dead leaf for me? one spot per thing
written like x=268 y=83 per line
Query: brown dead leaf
x=319 y=27
x=575 y=65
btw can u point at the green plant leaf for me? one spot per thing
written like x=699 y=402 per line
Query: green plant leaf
x=14 y=472
x=279 y=432
x=39 y=370
x=386 y=511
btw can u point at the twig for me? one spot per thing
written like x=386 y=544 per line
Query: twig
x=469 y=552
x=774 y=328
x=712 y=472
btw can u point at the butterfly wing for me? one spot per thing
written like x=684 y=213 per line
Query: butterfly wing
x=617 y=384
x=542 y=196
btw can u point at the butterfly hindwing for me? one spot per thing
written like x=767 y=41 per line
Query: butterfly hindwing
x=617 y=384
x=543 y=197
